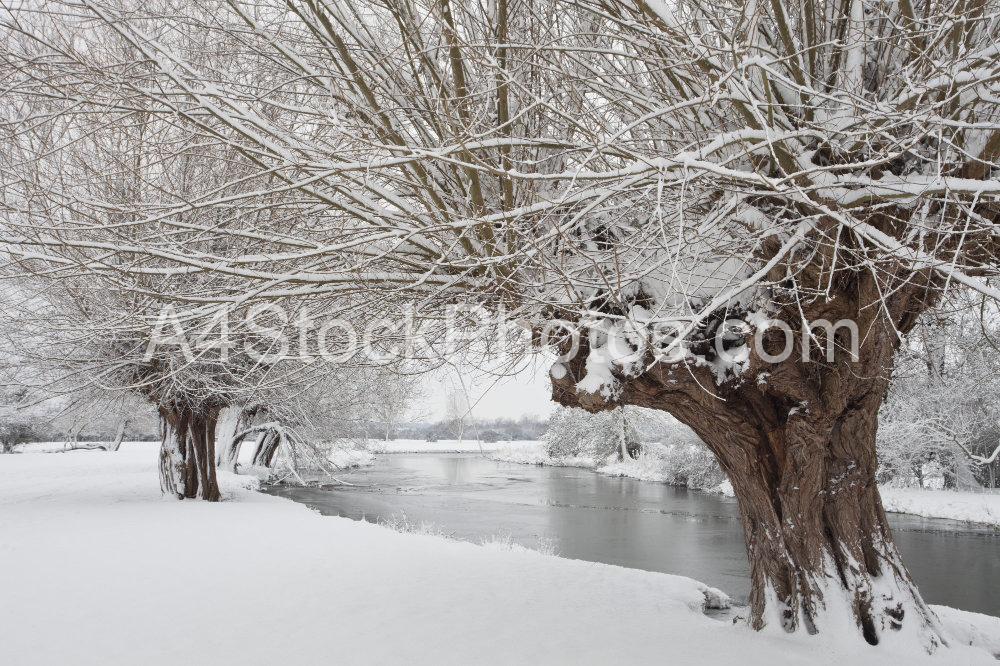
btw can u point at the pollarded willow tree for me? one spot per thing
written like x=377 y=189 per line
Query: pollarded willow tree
x=644 y=171
x=92 y=171
x=303 y=181
x=81 y=335
x=825 y=162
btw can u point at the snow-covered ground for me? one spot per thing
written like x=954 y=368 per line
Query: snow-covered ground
x=60 y=447
x=96 y=567
x=978 y=507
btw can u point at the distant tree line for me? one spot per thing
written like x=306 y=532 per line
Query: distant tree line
x=486 y=430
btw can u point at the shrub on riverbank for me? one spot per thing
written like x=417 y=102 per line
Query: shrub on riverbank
x=678 y=458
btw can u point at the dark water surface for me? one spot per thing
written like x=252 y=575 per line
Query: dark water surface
x=637 y=524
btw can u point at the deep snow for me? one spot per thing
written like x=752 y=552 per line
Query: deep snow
x=96 y=567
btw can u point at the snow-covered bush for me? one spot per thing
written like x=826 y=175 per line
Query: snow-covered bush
x=575 y=433
x=674 y=454
x=679 y=458
x=691 y=464
x=345 y=453
x=13 y=433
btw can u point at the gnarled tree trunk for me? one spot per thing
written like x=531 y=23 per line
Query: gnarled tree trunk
x=797 y=439
x=817 y=538
x=816 y=533
x=187 y=452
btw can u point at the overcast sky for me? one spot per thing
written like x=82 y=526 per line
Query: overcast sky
x=491 y=396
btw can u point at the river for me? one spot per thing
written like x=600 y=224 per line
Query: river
x=638 y=524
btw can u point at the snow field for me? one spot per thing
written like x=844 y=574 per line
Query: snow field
x=96 y=567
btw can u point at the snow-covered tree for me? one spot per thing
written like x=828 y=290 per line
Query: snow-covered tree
x=811 y=164
x=18 y=423
x=390 y=397
x=313 y=425
x=101 y=416
x=458 y=413
x=943 y=407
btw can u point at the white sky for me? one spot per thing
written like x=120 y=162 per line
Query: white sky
x=526 y=392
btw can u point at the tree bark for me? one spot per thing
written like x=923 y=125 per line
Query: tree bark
x=187 y=452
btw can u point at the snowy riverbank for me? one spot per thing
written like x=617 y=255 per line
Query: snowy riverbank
x=977 y=507
x=670 y=464
x=96 y=567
